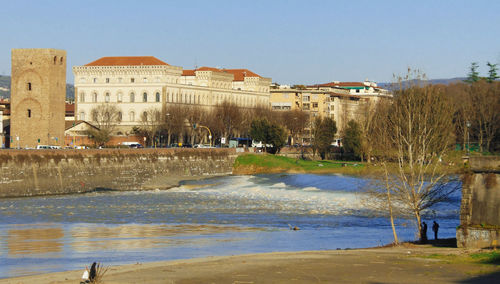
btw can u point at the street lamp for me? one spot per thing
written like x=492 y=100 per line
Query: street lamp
x=468 y=139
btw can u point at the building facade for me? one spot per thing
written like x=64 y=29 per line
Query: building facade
x=136 y=85
x=342 y=101
x=38 y=93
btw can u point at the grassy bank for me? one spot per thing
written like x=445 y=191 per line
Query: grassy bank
x=265 y=163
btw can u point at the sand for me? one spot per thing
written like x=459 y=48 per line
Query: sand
x=406 y=264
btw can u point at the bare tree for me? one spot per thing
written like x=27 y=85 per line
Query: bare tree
x=295 y=121
x=174 y=120
x=420 y=130
x=485 y=99
x=105 y=117
x=151 y=123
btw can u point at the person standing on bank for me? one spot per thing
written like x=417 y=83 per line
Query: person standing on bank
x=423 y=236
x=435 y=229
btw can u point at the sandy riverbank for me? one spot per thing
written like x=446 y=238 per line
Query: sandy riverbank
x=405 y=264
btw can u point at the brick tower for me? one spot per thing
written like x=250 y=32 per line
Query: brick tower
x=38 y=85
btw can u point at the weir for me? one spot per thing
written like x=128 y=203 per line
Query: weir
x=480 y=208
x=49 y=172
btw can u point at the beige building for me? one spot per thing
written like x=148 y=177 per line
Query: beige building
x=38 y=93
x=138 y=84
x=341 y=101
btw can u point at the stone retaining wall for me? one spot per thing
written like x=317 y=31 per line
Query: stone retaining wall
x=480 y=207
x=47 y=172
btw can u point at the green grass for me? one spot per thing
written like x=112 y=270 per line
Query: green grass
x=284 y=163
x=490 y=257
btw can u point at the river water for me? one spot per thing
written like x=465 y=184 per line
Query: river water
x=218 y=216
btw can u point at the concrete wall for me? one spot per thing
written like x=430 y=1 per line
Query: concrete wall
x=480 y=208
x=47 y=172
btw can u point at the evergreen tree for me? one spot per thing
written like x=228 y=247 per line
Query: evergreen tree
x=352 y=139
x=473 y=75
x=492 y=72
x=324 y=134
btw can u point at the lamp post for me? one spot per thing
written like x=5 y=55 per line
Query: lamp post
x=468 y=139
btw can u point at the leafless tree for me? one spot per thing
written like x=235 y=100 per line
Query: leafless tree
x=151 y=121
x=105 y=117
x=417 y=135
x=174 y=120
x=295 y=121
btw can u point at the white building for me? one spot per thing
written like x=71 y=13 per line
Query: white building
x=137 y=84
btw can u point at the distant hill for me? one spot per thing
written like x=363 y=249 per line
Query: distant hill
x=5 y=89
x=426 y=82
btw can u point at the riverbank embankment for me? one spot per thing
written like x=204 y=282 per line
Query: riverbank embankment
x=403 y=264
x=249 y=164
x=49 y=172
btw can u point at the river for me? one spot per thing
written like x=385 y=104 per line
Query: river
x=218 y=216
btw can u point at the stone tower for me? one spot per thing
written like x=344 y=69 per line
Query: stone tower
x=38 y=85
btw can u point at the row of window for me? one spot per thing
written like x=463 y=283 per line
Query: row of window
x=131 y=116
x=95 y=80
x=119 y=97
x=177 y=98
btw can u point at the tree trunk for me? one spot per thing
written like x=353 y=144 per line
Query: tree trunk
x=389 y=204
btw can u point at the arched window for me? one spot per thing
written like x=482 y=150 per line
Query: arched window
x=82 y=115
x=120 y=116
x=145 y=116
x=132 y=116
x=119 y=97
x=82 y=97
x=61 y=60
x=145 y=97
x=107 y=97
x=132 y=98
x=157 y=97
x=55 y=59
x=94 y=99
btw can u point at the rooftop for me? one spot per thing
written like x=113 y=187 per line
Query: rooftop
x=126 y=61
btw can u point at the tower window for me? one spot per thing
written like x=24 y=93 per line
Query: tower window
x=61 y=60
x=29 y=86
x=55 y=59
x=29 y=112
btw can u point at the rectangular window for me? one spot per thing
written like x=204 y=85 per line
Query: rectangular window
x=132 y=80
x=95 y=80
x=107 y=80
x=29 y=86
x=29 y=112
x=315 y=105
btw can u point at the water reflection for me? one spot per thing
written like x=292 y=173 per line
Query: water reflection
x=34 y=241
x=139 y=237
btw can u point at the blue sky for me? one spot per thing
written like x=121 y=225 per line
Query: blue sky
x=292 y=42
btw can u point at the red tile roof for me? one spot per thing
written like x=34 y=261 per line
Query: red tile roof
x=126 y=61
x=188 y=72
x=240 y=74
x=70 y=107
x=340 y=84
